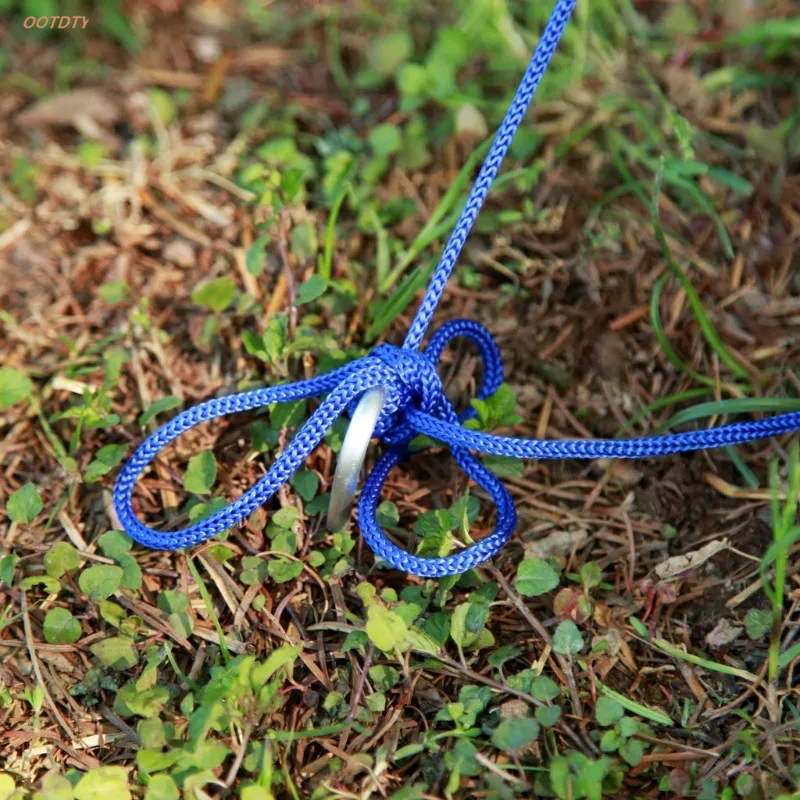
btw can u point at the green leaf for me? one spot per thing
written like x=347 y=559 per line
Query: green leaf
x=60 y=558
x=118 y=26
x=284 y=415
x=285 y=517
x=608 y=711
x=162 y=404
x=304 y=243
x=215 y=295
x=256 y=257
x=7 y=566
x=202 y=511
x=610 y=741
x=201 y=473
x=535 y=577
x=355 y=640
x=162 y=787
x=567 y=639
x=7 y=786
x=544 y=688
x=116 y=653
x=306 y=483
x=25 y=504
x=412 y=80
x=386 y=630
x=591 y=575
x=757 y=623
x=504 y=466
x=284 y=656
x=502 y=654
x=51 y=585
x=385 y=139
x=639 y=627
x=115 y=544
x=90 y=154
x=14 y=386
x=458 y=624
x=549 y=716
x=632 y=751
x=55 y=787
x=511 y=735
x=113 y=292
x=60 y=627
x=163 y=105
x=387 y=53
x=100 y=581
x=103 y=783
x=313 y=288
x=255 y=792
x=423 y=642
x=106 y=459
x=283 y=570
x=131 y=573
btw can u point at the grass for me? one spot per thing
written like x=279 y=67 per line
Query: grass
x=272 y=212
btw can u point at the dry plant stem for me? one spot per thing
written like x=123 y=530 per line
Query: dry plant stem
x=26 y=622
x=237 y=762
x=361 y=681
x=563 y=662
x=169 y=499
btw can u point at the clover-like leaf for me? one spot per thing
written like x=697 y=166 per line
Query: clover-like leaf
x=25 y=504
x=535 y=577
x=14 y=386
x=60 y=627
x=201 y=473
x=386 y=630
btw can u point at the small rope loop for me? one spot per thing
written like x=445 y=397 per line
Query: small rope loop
x=346 y=383
x=489 y=352
x=456 y=563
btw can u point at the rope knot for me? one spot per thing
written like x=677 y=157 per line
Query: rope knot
x=415 y=384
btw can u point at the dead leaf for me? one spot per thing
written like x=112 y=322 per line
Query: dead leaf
x=180 y=252
x=557 y=543
x=723 y=634
x=514 y=709
x=70 y=108
x=686 y=90
x=623 y=473
x=677 y=564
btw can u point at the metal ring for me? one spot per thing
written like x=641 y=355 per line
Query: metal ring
x=351 y=456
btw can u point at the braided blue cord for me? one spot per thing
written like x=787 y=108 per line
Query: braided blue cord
x=415 y=403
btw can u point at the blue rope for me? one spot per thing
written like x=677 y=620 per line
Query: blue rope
x=416 y=403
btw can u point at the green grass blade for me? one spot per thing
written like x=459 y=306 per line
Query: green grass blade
x=393 y=306
x=663 y=402
x=201 y=587
x=430 y=232
x=676 y=652
x=659 y=717
x=696 y=304
x=770 y=30
x=325 y=267
x=743 y=405
x=661 y=335
x=749 y=476
x=788 y=656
